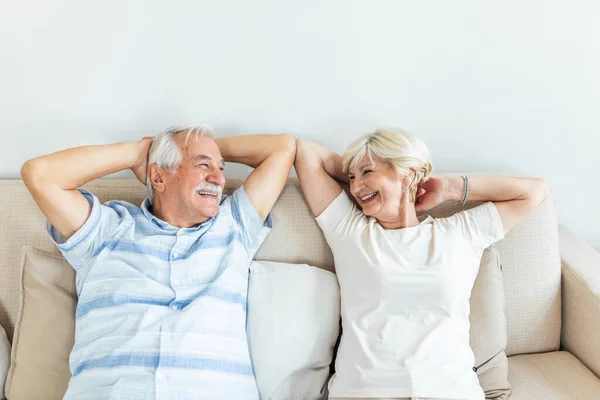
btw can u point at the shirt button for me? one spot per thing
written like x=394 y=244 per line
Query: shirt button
x=159 y=376
x=175 y=255
x=178 y=281
x=174 y=308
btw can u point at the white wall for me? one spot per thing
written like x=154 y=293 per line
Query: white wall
x=489 y=85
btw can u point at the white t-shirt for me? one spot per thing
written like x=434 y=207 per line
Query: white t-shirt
x=405 y=301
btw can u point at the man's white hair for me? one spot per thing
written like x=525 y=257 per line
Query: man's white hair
x=166 y=154
x=400 y=149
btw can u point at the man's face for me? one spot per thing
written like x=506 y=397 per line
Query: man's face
x=197 y=184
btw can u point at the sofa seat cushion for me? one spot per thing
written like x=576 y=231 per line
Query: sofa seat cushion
x=557 y=375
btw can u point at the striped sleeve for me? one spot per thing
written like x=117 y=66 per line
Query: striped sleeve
x=247 y=218
x=81 y=247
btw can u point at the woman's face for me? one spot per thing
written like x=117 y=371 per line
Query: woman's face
x=378 y=188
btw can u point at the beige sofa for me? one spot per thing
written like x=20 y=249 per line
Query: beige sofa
x=552 y=296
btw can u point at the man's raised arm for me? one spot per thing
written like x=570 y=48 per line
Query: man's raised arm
x=272 y=156
x=53 y=179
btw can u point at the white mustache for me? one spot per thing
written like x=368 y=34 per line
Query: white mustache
x=209 y=187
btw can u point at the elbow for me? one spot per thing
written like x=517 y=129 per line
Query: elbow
x=288 y=144
x=299 y=145
x=32 y=172
x=545 y=189
x=302 y=145
x=300 y=153
x=541 y=190
x=301 y=149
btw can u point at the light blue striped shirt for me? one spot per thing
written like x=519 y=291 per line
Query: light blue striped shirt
x=162 y=310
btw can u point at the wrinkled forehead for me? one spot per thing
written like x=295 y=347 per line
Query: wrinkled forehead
x=197 y=146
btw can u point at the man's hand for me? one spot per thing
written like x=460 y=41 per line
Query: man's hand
x=140 y=169
x=430 y=193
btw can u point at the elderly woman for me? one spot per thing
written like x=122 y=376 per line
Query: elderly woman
x=405 y=280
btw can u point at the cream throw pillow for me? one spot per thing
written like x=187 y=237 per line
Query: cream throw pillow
x=45 y=328
x=293 y=324
x=488 y=327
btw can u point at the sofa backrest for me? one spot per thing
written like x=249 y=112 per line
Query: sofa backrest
x=529 y=254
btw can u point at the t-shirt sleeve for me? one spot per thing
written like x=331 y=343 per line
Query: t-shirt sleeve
x=90 y=238
x=481 y=226
x=254 y=230
x=341 y=217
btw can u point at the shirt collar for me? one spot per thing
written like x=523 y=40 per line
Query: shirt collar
x=147 y=207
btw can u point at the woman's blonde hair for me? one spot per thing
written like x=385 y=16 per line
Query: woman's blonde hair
x=400 y=149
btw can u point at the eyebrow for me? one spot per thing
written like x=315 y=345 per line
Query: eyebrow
x=366 y=165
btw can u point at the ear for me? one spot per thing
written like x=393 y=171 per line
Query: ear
x=156 y=178
x=413 y=184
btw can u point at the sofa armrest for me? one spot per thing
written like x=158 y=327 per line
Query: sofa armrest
x=580 y=333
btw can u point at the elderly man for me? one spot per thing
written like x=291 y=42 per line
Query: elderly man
x=162 y=288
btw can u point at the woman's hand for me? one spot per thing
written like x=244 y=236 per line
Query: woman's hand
x=430 y=193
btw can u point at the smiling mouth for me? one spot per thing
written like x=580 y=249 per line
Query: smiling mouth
x=367 y=197
x=207 y=194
